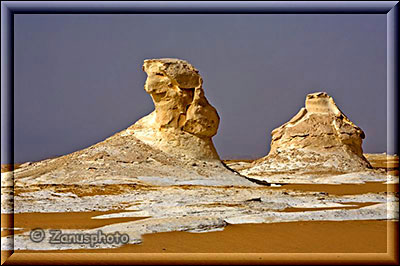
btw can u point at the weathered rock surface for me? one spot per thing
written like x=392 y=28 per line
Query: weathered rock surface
x=171 y=146
x=183 y=121
x=318 y=139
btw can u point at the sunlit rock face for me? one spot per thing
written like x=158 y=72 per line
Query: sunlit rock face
x=183 y=120
x=170 y=146
x=318 y=138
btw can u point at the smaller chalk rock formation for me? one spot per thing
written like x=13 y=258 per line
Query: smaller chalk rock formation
x=318 y=139
x=183 y=121
x=170 y=146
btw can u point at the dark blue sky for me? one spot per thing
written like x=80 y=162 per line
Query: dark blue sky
x=78 y=78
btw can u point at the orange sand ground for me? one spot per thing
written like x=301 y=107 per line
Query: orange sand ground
x=62 y=220
x=292 y=237
x=343 y=189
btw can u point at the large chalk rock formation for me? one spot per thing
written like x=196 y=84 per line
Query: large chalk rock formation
x=318 y=139
x=183 y=121
x=170 y=146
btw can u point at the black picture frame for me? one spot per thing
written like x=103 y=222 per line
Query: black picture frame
x=11 y=8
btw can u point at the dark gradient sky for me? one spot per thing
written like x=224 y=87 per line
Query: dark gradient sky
x=78 y=78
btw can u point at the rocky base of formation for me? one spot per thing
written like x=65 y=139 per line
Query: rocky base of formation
x=123 y=159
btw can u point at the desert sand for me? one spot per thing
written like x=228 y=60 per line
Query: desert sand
x=294 y=237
